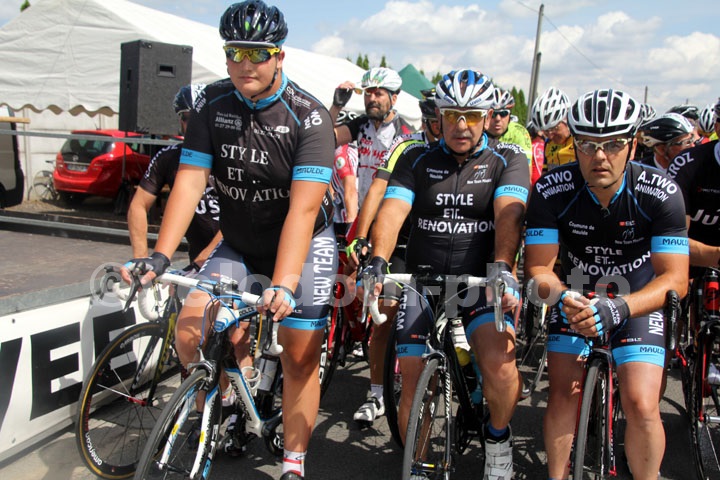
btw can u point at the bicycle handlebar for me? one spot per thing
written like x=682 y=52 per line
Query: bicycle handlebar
x=492 y=281
x=226 y=315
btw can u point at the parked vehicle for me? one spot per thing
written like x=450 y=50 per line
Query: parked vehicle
x=99 y=166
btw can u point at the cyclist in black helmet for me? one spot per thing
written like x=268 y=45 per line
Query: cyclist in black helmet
x=269 y=144
x=667 y=136
x=203 y=233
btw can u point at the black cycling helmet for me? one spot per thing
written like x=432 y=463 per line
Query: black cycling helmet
x=186 y=96
x=688 y=111
x=252 y=24
x=604 y=113
x=427 y=108
x=664 y=129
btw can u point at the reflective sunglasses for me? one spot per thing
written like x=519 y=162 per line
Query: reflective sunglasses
x=255 y=55
x=369 y=91
x=471 y=117
x=610 y=147
x=688 y=142
x=500 y=113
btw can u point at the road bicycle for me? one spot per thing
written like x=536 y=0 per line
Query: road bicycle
x=435 y=435
x=600 y=423
x=700 y=363
x=531 y=343
x=184 y=441
x=129 y=384
x=43 y=186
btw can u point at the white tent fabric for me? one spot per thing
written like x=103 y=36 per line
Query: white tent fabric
x=64 y=55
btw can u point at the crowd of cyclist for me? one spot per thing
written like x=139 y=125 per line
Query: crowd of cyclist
x=589 y=184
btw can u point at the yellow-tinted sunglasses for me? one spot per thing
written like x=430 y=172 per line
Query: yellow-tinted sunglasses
x=471 y=117
x=255 y=55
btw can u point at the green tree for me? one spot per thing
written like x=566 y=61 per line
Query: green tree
x=25 y=5
x=383 y=62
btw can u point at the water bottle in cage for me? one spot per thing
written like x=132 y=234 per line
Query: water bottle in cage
x=267 y=365
x=711 y=285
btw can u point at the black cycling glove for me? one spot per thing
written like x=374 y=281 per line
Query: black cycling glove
x=157 y=263
x=357 y=246
x=511 y=284
x=377 y=268
x=342 y=97
x=609 y=313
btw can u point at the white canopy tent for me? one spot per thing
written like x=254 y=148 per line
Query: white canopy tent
x=63 y=57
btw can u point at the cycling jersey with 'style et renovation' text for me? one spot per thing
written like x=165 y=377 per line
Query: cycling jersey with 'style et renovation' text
x=255 y=151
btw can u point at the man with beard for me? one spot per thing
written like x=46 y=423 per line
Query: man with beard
x=374 y=133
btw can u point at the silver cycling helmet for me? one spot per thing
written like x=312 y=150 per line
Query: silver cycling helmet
x=505 y=100
x=380 y=77
x=706 y=122
x=604 y=113
x=647 y=113
x=465 y=89
x=664 y=129
x=550 y=108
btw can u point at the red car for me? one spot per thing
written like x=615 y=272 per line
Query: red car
x=95 y=166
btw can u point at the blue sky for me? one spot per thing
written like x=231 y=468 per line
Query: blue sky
x=673 y=49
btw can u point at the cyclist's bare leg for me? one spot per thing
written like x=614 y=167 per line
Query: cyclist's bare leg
x=411 y=368
x=565 y=374
x=640 y=384
x=495 y=354
x=301 y=389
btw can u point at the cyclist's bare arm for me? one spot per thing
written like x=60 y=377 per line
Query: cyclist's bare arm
x=389 y=220
x=185 y=195
x=509 y=214
x=350 y=197
x=368 y=211
x=305 y=198
x=140 y=205
x=703 y=255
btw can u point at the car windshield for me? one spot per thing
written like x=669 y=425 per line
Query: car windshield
x=84 y=150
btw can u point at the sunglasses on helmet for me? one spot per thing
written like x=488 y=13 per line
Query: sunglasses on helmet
x=255 y=55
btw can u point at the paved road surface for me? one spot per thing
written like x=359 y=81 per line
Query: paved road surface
x=339 y=450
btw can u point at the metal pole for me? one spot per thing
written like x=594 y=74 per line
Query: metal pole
x=646 y=95
x=534 y=73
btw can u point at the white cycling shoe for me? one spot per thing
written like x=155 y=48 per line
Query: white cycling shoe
x=499 y=459
x=369 y=411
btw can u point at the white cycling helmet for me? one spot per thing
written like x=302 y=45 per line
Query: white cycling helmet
x=706 y=122
x=504 y=100
x=465 y=89
x=604 y=113
x=380 y=77
x=550 y=108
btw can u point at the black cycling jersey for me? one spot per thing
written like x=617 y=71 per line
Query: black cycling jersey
x=255 y=151
x=697 y=172
x=206 y=221
x=608 y=248
x=453 y=218
x=610 y=244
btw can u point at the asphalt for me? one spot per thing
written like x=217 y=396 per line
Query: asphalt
x=340 y=450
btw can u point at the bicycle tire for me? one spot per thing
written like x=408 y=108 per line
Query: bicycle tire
x=589 y=453
x=705 y=435
x=180 y=420
x=43 y=186
x=114 y=419
x=331 y=347
x=533 y=353
x=428 y=441
x=392 y=386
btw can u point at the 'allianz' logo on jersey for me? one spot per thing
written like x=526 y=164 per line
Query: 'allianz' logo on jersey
x=228 y=121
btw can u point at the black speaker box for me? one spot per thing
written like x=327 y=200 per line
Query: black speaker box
x=151 y=73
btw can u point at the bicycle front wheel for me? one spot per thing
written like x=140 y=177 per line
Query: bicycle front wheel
x=43 y=186
x=331 y=346
x=122 y=397
x=591 y=441
x=532 y=349
x=392 y=387
x=427 y=444
x=180 y=446
x=705 y=416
